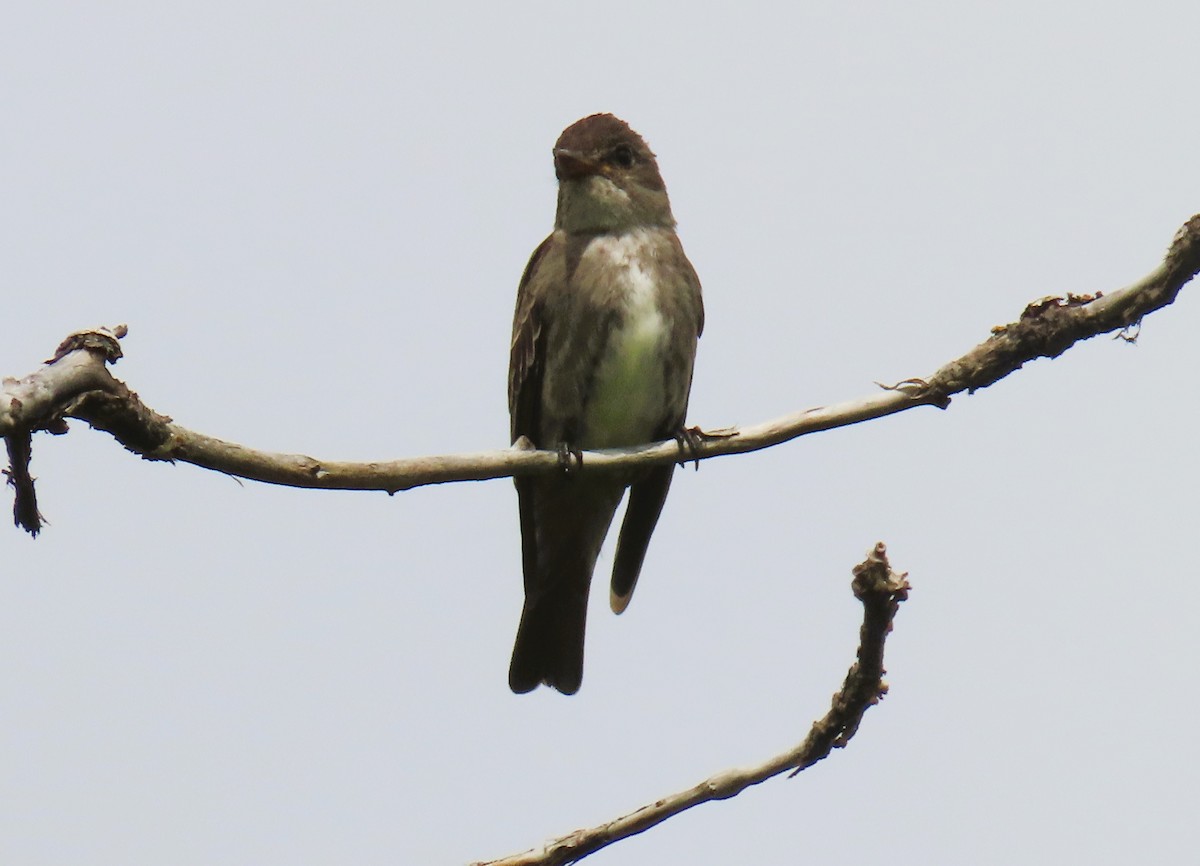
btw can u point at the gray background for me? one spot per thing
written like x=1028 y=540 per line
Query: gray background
x=313 y=217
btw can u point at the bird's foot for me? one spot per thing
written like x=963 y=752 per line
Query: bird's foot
x=570 y=459
x=691 y=439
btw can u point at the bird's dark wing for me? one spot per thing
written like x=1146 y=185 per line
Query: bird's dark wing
x=693 y=298
x=526 y=356
x=526 y=365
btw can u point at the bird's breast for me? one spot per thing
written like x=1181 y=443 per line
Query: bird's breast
x=625 y=404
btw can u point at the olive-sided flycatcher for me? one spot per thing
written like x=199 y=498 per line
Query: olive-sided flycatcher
x=604 y=337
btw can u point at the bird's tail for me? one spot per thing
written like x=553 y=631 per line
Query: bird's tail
x=549 y=646
x=563 y=524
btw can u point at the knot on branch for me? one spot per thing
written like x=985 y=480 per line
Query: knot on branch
x=1184 y=255
x=874 y=581
x=130 y=421
x=104 y=341
x=1047 y=327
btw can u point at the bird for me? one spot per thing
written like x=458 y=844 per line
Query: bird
x=608 y=315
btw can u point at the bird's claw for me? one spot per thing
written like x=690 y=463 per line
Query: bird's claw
x=689 y=440
x=569 y=459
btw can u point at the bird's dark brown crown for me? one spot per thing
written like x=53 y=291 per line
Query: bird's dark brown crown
x=606 y=138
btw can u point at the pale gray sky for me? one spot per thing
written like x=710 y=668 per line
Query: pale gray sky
x=313 y=217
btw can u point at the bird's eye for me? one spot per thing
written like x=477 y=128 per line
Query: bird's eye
x=621 y=156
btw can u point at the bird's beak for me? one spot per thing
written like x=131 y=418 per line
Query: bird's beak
x=572 y=165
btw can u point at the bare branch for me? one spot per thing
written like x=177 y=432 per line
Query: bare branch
x=880 y=590
x=77 y=384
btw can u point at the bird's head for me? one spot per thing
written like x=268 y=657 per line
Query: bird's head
x=608 y=179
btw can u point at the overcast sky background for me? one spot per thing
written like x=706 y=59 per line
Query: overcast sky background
x=313 y=217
